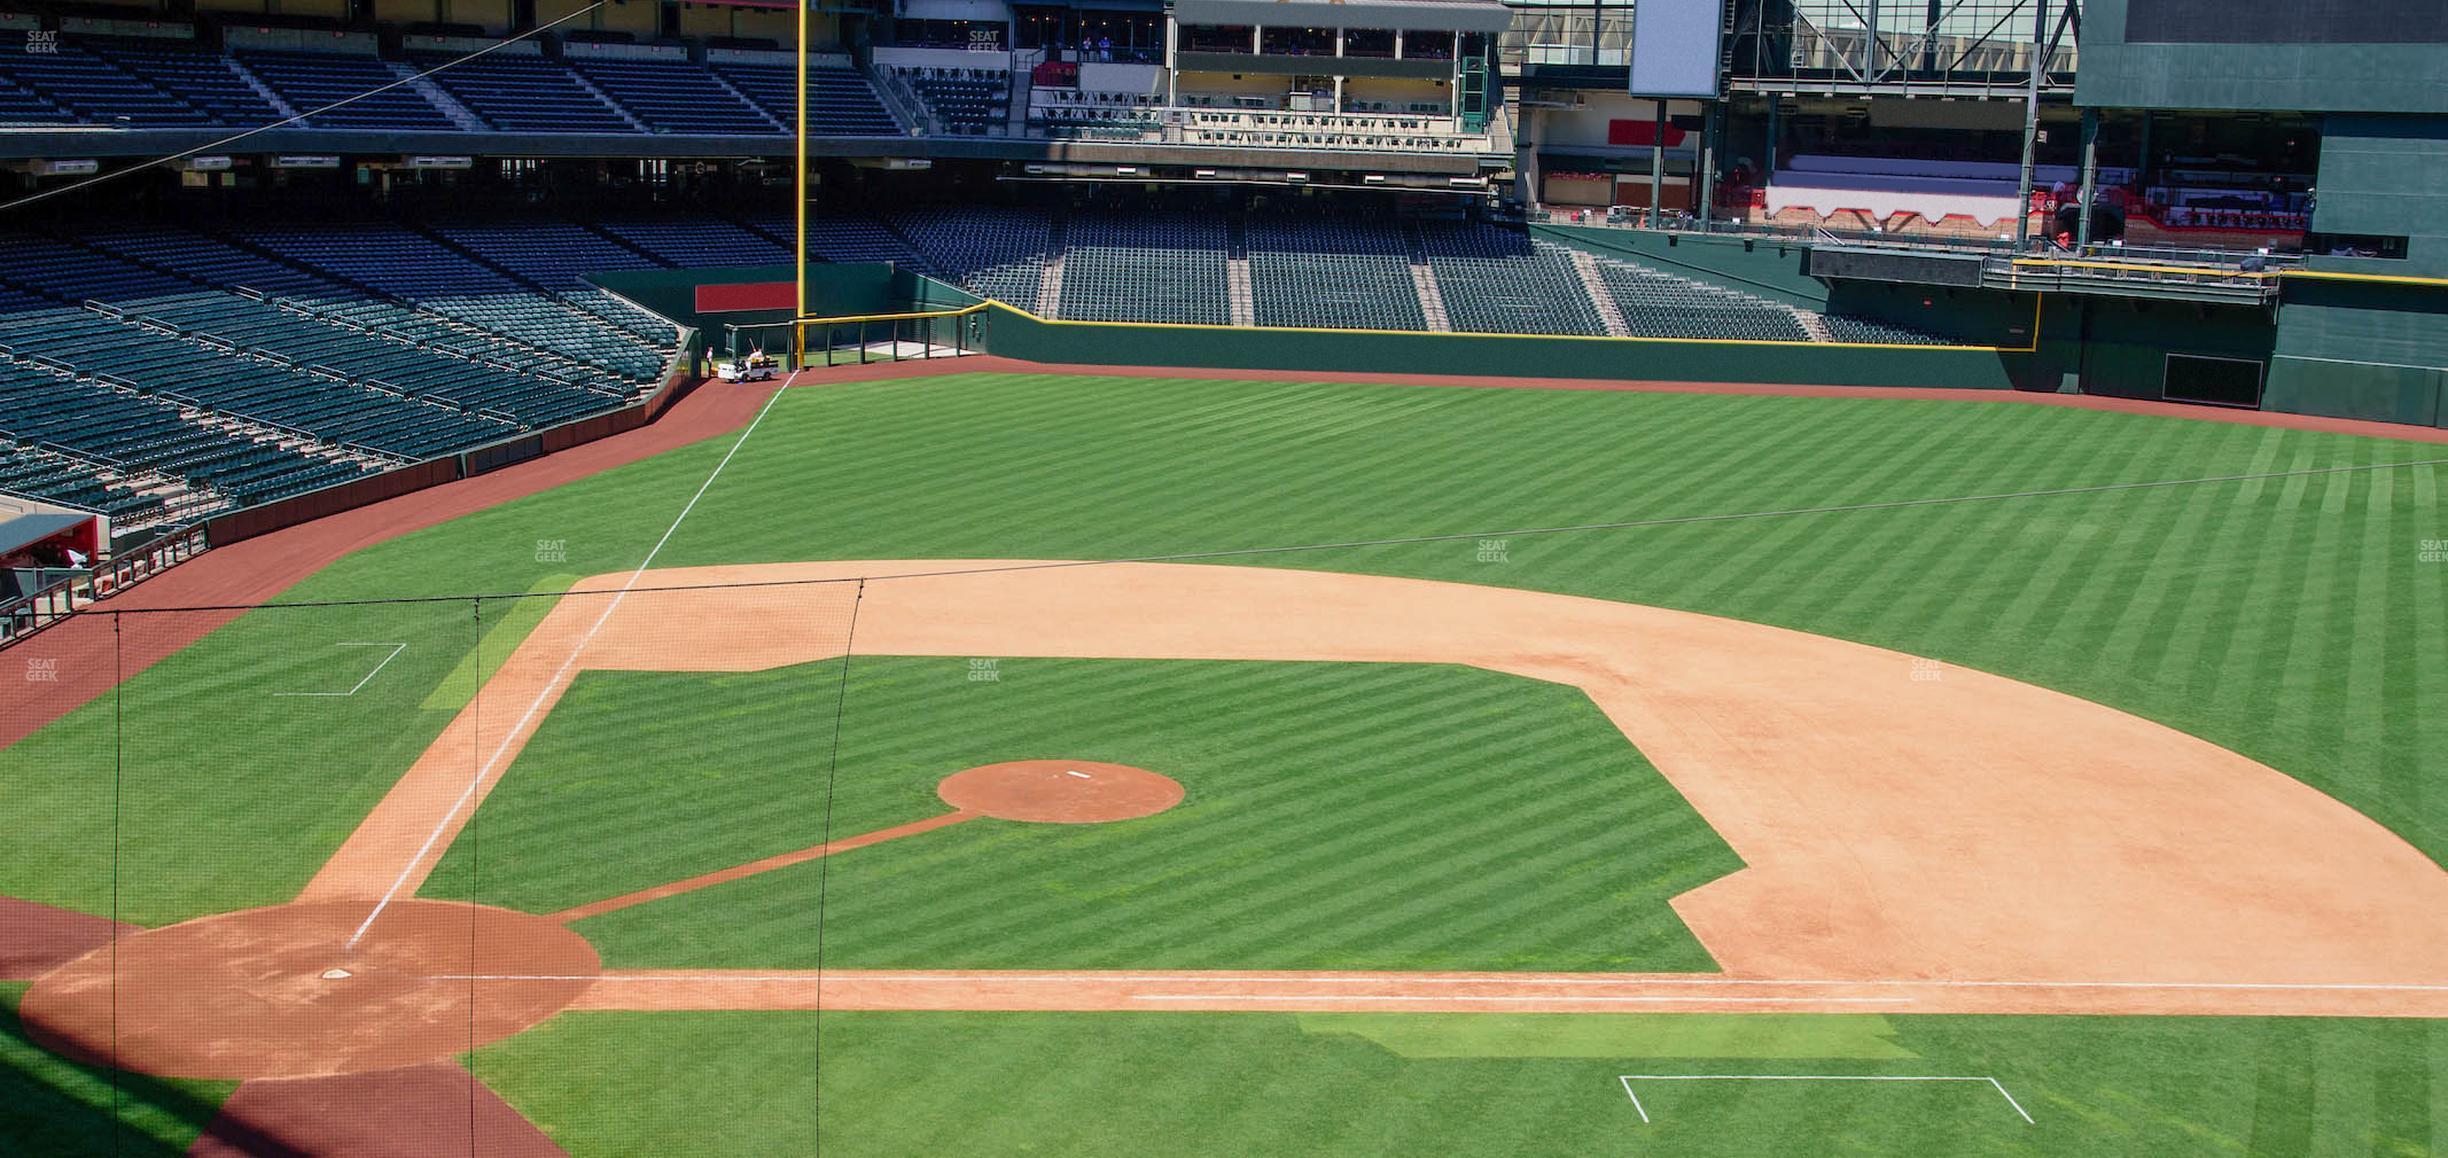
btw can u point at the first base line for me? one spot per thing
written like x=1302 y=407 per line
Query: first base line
x=1628 y=1079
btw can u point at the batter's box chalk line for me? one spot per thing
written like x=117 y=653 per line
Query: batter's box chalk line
x=396 y=649
x=1992 y=1083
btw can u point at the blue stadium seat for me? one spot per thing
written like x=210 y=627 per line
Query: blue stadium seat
x=311 y=80
x=674 y=96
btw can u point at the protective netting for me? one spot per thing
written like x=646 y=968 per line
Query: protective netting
x=489 y=873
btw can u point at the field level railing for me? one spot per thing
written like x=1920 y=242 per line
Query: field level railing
x=858 y=339
x=21 y=618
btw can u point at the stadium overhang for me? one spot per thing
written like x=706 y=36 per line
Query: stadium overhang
x=1487 y=16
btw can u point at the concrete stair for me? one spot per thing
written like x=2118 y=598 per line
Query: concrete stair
x=1049 y=285
x=459 y=114
x=1609 y=313
x=279 y=105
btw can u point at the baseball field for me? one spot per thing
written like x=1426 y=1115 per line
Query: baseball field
x=990 y=762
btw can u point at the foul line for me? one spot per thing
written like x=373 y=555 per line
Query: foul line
x=1090 y=977
x=1628 y=1079
x=545 y=692
x=1549 y=998
x=396 y=649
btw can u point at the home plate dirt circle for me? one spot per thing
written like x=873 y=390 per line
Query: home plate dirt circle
x=279 y=992
x=1060 y=791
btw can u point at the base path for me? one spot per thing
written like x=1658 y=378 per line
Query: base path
x=1969 y=834
x=1322 y=992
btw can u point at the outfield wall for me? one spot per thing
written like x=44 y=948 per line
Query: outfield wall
x=2344 y=350
x=1016 y=334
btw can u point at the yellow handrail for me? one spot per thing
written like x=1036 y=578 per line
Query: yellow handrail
x=846 y=319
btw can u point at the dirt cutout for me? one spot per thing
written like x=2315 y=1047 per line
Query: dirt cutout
x=280 y=992
x=1915 y=835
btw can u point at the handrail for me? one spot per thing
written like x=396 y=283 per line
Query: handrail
x=25 y=616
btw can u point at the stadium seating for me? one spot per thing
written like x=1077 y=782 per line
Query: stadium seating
x=674 y=96
x=206 y=81
x=965 y=101
x=1851 y=329
x=996 y=253
x=1498 y=281
x=61 y=478
x=302 y=355
x=839 y=238
x=525 y=94
x=552 y=254
x=70 y=274
x=1656 y=304
x=840 y=102
x=22 y=105
x=1307 y=271
x=311 y=80
x=1145 y=267
x=97 y=91
x=697 y=242
x=46 y=403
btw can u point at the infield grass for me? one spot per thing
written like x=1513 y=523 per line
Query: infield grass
x=1338 y=816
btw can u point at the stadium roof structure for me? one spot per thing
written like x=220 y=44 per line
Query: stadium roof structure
x=1489 y=16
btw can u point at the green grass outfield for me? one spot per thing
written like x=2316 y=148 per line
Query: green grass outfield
x=2289 y=619
x=1126 y=1084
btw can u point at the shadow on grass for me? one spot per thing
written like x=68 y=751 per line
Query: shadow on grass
x=51 y=1105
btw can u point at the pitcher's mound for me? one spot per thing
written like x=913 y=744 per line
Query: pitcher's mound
x=1060 y=791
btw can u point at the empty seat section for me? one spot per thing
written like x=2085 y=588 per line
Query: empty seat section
x=1657 y=304
x=72 y=274
x=205 y=80
x=996 y=253
x=674 y=96
x=1145 y=267
x=1310 y=271
x=696 y=242
x=523 y=94
x=839 y=238
x=552 y=254
x=21 y=105
x=964 y=100
x=59 y=478
x=1495 y=281
x=209 y=260
x=840 y=101
x=311 y=80
x=1845 y=328
x=69 y=77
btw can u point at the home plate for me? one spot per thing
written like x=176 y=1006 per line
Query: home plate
x=336 y=975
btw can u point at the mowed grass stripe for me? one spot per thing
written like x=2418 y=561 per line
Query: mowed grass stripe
x=991 y=467
x=1373 y=806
